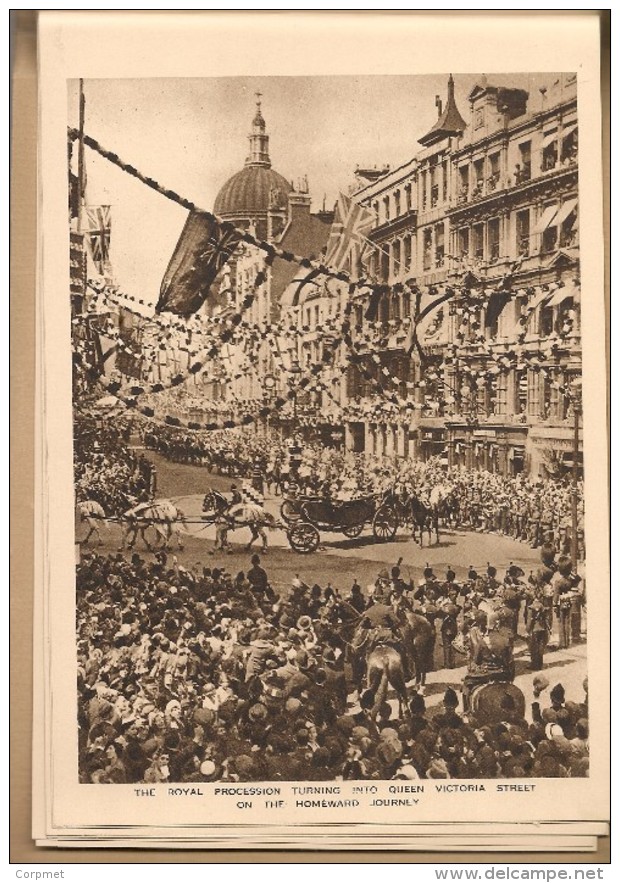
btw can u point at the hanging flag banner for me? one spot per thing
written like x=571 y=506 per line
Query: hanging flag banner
x=98 y=229
x=204 y=247
x=351 y=224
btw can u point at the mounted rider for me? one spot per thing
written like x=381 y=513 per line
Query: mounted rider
x=381 y=623
x=490 y=656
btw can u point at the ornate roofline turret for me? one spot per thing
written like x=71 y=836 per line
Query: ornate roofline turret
x=259 y=139
x=450 y=122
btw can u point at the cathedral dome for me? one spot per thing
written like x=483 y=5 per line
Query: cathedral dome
x=257 y=187
x=251 y=191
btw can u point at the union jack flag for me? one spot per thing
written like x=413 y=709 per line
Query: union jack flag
x=351 y=223
x=99 y=221
x=204 y=247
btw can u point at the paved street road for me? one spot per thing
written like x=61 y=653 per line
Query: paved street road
x=339 y=561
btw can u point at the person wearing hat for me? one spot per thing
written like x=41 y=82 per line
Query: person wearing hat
x=428 y=585
x=537 y=633
x=490 y=656
x=448 y=718
x=448 y=614
x=562 y=604
x=257 y=577
x=451 y=589
x=491 y=583
x=356 y=598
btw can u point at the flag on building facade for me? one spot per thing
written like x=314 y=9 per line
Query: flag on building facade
x=98 y=225
x=204 y=247
x=352 y=222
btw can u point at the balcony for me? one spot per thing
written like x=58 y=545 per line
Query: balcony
x=523 y=173
x=492 y=182
x=523 y=246
x=494 y=252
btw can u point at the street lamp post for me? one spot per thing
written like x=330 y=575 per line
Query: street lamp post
x=295 y=370
x=269 y=384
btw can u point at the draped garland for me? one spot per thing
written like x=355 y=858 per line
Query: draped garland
x=362 y=350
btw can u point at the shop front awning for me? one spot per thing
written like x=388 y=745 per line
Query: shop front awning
x=569 y=130
x=549 y=138
x=546 y=218
x=539 y=298
x=567 y=208
x=561 y=294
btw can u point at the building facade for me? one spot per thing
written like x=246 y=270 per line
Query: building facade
x=471 y=320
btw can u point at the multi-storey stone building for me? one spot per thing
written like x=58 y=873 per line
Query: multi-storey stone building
x=475 y=322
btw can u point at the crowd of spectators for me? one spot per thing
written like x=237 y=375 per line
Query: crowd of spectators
x=198 y=675
x=106 y=469
x=532 y=510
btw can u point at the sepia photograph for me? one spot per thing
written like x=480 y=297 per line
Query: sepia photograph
x=327 y=430
x=321 y=531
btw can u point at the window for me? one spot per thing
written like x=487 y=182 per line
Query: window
x=550 y=150
x=439 y=245
x=384 y=309
x=396 y=203
x=428 y=245
x=406 y=303
x=407 y=254
x=533 y=393
x=493 y=239
x=523 y=233
x=569 y=230
x=523 y=169
x=434 y=186
x=549 y=239
x=521 y=392
x=396 y=265
x=395 y=311
x=463 y=238
x=386 y=207
x=478 y=177
x=493 y=179
x=569 y=144
x=501 y=393
x=478 y=243
x=408 y=198
x=444 y=180
x=385 y=265
x=463 y=194
x=423 y=189
x=545 y=325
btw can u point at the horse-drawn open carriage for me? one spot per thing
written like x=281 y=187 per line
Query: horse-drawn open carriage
x=307 y=517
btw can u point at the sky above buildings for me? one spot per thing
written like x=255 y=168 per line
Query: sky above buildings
x=190 y=135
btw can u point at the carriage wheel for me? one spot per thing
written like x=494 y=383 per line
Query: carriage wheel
x=385 y=523
x=290 y=512
x=353 y=531
x=303 y=537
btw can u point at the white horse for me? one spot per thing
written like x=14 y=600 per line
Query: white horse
x=91 y=512
x=161 y=515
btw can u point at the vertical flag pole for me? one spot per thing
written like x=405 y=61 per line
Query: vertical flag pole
x=80 y=183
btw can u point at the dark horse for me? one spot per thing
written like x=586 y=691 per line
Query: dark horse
x=414 y=513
